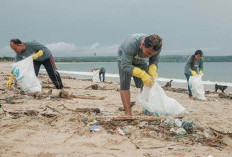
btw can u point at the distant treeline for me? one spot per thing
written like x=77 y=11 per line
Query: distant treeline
x=7 y=59
x=168 y=58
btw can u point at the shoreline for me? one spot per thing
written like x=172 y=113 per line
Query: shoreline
x=175 y=84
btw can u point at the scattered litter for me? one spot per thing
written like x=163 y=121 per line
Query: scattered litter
x=178 y=122
x=121 y=132
x=126 y=131
x=143 y=124
x=48 y=98
x=94 y=128
x=208 y=134
x=179 y=131
x=84 y=119
x=188 y=126
x=93 y=122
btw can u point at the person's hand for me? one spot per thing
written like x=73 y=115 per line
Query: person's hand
x=9 y=82
x=37 y=54
x=153 y=70
x=144 y=76
x=200 y=72
x=193 y=73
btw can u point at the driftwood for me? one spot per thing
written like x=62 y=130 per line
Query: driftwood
x=88 y=97
x=97 y=87
x=226 y=96
x=124 y=118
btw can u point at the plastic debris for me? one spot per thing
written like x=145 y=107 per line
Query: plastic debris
x=188 y=126
x=178 y=122
x=143 y=124
x=9 y=99
x=169 y=121
x=126 y=131
x=148 y=113
x=84 y=119
x=94 y=128
x=121 y=132
x=93 y=122
x=208 y=134
x=179 y=131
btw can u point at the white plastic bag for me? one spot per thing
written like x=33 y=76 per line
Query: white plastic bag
x=197 y=87
x=24 y=73
x=155 y=100
x=96 y=76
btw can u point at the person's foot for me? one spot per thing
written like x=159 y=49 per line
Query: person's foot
x=123 y=109
x=191 y=97
x=128 y=114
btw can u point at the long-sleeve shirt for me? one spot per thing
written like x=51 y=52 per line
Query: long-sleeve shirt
x=130 y=54
x=197 y=66
x=31 y=48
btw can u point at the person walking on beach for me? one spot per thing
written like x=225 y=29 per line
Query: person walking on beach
x=132 y=61
x=193 y=67
x=102 y=71
x=42 y=56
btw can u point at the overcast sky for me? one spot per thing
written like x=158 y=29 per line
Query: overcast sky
x=82 y=27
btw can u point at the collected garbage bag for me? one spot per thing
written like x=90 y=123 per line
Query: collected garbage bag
x=24 y=74
x=197 y=87
x=96 y=76
x=155 y=100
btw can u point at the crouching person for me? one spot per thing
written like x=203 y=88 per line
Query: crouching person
x=132 y=61
x=42 y=56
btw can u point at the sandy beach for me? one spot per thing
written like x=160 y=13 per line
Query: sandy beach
x=56 y=125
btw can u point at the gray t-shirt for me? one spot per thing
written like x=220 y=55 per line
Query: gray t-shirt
x=130 y=54
x=31 y=48
x=197 y=66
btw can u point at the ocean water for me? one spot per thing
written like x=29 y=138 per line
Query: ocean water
x=214 y=72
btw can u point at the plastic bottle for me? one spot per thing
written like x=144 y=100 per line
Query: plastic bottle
x=178 y=122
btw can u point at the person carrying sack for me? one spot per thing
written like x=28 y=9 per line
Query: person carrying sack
x=132 y=61
x=42 y=56
x=193 y=67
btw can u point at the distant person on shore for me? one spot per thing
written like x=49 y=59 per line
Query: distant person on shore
x=102 y=72
x=42 y=56
x=193 y=67
x=132 y=61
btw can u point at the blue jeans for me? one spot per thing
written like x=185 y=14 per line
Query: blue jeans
x=189 y=90
x=103 y=76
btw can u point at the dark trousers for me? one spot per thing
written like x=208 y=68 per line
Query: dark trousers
x=189 y=90
x=50 y=67
x=103 y=76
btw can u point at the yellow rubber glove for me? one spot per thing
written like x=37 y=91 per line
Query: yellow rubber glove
x=193 y=73
x=200 y=72
x=137 y=72
x=10 y=80
x=37 y=54
x=152 y=70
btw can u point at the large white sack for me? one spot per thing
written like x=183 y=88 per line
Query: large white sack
x=155 y=100
x=96 y=76
x=24 y=73
x=197 y=87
